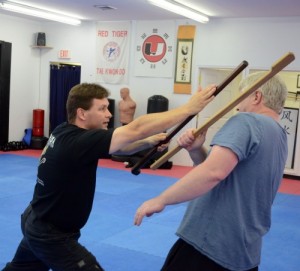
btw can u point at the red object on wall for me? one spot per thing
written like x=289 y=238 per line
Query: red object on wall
x=38 y=123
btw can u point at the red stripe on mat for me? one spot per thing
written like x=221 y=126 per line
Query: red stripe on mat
x=288 y=186
x=28 y=152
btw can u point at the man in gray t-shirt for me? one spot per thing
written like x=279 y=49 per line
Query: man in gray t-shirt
x=232 y=190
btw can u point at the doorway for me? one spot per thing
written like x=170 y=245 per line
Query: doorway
x=63 y=76
x=5 y=65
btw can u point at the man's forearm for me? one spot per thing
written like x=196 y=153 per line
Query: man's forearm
x=202 y=178
x=196 y=183
x=156 y=122
x=134 y=147
x=149 y=124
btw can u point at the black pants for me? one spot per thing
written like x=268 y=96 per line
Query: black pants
x=44 y=246
x=183 y=257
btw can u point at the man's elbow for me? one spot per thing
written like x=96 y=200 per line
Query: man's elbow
x=218 y=175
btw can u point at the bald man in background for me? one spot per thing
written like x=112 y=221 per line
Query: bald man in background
x=127 y=107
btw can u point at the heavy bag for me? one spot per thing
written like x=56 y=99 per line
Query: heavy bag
x=38 y=123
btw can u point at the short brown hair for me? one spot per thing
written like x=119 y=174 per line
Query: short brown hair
x=81 y=96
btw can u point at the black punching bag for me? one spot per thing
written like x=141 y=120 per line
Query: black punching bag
x=157 y=103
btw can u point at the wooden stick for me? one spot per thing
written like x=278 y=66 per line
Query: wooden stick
x=136 y=168
x=276 y=67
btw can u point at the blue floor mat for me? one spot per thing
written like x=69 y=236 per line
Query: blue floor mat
x=110 y=234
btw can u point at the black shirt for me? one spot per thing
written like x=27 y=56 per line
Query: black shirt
x=66 y=179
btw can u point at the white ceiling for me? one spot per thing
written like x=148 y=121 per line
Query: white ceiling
x=142 y=10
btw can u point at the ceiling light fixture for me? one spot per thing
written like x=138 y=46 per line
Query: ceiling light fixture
x=38 y=12
x=181 y=9
x=104 y=7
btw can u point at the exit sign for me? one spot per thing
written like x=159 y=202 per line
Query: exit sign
x=64 y=54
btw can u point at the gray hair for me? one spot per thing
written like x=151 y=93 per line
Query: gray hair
x=274 y=91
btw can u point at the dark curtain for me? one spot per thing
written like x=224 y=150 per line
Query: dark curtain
x=62 y=79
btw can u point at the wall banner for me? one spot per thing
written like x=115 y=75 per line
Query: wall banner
x=289 y=122
x=184 y=56
x=154 y=56
x=112 y=52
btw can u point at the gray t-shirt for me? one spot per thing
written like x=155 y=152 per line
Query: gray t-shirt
x=227 y=223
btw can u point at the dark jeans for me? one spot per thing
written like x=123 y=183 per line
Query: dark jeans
x=183 y=257
x=44 y=246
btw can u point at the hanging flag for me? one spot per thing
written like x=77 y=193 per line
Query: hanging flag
x=154 y=56
x=112 y=52
x=184 y=56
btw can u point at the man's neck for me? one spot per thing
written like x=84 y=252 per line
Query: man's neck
x=268 y=112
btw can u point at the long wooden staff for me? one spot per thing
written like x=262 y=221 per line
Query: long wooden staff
x=136 y=168
x=276 y=67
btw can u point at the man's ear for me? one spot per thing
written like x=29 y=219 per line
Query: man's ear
x=257 y=96
x=81 y=113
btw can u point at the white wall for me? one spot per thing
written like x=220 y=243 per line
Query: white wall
x=220 y=43
x=24 y=72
